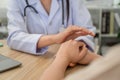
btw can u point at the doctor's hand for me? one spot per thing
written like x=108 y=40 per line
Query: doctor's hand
x=72 y=32
x=71 y=52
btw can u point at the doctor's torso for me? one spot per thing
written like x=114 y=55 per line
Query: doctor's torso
x=25 y=31
x=42 y=23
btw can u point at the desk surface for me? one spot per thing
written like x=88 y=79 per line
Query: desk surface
x=32 y=66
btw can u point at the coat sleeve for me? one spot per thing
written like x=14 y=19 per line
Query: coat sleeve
x=19 y=38
x=82 y=18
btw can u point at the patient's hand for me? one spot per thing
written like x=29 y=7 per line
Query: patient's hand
x=70 y=51
x=88 y=58
x=82 y=54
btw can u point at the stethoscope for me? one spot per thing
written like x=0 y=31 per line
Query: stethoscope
x=63 y=11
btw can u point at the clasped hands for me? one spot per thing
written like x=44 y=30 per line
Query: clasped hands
x=74 y=51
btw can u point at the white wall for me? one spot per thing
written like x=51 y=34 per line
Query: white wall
x=116 y=2
x=3 y=11
x=3 y=3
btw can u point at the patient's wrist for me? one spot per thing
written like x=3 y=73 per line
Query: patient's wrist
x=61 y=59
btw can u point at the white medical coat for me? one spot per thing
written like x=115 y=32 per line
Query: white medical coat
x=24 y=33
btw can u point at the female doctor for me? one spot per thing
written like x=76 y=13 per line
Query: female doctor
x=35 y=24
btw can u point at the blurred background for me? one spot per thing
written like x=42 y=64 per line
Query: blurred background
x=3 y=19
x=105 y=15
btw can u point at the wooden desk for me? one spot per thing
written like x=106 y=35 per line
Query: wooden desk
x=32 y=66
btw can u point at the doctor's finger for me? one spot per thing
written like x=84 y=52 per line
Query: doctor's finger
x=76 y=35
x=74 y=28
x=85 y=30
x=83 y=33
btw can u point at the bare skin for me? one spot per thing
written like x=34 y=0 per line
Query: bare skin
x=71 y=32
x=69 y=52
x=47 y=5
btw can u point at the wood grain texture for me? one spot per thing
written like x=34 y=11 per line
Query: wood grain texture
x=32 y=66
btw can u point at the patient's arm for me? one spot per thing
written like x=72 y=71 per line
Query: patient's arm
x=56 y=70
x=89 y=58
x=68 y=52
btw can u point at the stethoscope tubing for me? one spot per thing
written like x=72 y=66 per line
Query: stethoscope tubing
x=63 y=11
x=29 y=6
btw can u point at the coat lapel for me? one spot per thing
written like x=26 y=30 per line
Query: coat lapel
x=38 y=6
x=54 y=8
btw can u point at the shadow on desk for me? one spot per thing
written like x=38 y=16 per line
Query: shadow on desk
x=32 y=66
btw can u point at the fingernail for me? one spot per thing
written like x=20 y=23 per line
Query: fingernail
x=92 y=33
